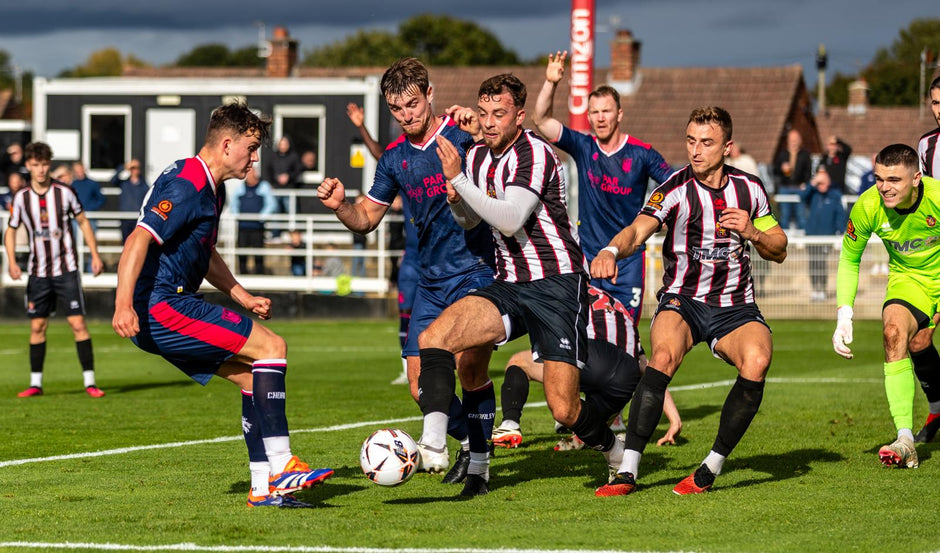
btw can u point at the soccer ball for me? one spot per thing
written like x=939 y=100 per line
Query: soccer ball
x=389 y=457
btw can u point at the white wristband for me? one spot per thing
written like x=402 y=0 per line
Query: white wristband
x=612 y=249
x=844 y=313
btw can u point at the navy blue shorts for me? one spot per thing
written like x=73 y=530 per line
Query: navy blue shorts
x=408 y=276
x=709 y=323
x=192 y=334
x=433 y=297
x=552 y=311
x=42 y=292
x=631 y=274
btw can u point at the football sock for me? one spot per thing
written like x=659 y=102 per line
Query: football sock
x=714 y=461
x=514 y=393
x=592 y=429
x=631 y=462
x=37 y=357
x=456 y=419
x=509 y=424
x=480 y=409
x=435 y=392
x=927 y=368
x=739 y=409
x=465 y=444
x=899 y=387
x=646 y=408
x=86 y=357
x=404 y=319
x=89 y=378
x=480 y=464
x=933 y=416
x=260 y=472
x=270 y=398
x=251 y=429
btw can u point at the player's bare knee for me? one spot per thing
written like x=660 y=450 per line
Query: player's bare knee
x=275 y=347
x=430 y=338
x=895 y=338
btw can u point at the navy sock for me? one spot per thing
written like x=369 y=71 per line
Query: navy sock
x=514 y=393
x=739 y=409
x=270 y=396
x=456 y=420
x=927 y=368
x=437 y=380
x=86 y=356
x=646 y=409
x=251 y=428
x=480 y=408
x=404 y=319
x=37 y=357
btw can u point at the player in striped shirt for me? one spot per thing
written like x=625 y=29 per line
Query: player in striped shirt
x=714 y=215
x=513 y=183
x=903 y=210
x=928 y=148
x=46 y=208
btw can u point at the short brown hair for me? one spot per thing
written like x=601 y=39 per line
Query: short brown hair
x=237 y=119
x=898 y=154
x=403 y=76
x=40 y=151
x=933 y=85
x=507 y=81
x=606 y=90
x=713 y=114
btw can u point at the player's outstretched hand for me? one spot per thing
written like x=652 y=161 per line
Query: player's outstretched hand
x=555 y=69
x=604 y=266
x=125 y=322
x=332 y=193
x=842 y=337
x=467 y=119
x=260 y=306
x=355 y=113
x=450 y=157
x=671 y=435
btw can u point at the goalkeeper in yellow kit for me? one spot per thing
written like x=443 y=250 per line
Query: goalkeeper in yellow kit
x=903 y=209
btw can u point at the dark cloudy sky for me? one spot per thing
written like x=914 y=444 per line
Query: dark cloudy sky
x=47 y=36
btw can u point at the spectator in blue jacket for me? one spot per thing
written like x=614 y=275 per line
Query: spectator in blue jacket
x=251 y=196
x=826 y=218
x=134 y=189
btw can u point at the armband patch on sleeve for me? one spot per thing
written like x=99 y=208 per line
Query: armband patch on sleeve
x=850 y=230
x=765 y=223
x=656 y=200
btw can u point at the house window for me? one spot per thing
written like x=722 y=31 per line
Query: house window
x=106 y=139
x=305 y=125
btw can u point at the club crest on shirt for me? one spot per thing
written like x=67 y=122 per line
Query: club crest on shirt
x=720 y=231
x=162 y=209
x=850 y=230
x=931 y=221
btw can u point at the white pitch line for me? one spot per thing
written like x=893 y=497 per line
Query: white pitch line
x=280 y=548
x=380 y=423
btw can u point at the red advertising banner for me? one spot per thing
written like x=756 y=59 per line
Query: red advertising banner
x=582 y=63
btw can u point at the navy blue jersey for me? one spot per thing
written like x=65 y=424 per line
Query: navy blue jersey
x=611 y=186
x=181 y=212
x=444 y=248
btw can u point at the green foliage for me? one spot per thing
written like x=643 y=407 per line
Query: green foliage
x=804 y=478
x=219 y=55
x=107 y=62
x=434 y=39
x=894 y=74
x=837 y=93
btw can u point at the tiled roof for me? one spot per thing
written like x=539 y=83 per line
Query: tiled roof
x=876 y=128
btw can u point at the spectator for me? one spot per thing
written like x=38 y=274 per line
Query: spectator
x=742 y=160
x=251 y=196
x=792 y=170
x=835 y=161
x=133 y=191
x=284 y=171
x=15 y=182
x=826 y=218
x=87 y=190
x=12 y=162
x=868 y=178
x=309 y=160
x=62 y=173
x=298 y=263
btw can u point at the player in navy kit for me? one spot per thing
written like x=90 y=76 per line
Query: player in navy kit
x=713 y=213
x=157 y=304
x=453 y=261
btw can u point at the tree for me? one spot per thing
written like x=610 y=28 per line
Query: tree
x=108 y=62
x=435 y=39
x=219 y=55
x=893 y=75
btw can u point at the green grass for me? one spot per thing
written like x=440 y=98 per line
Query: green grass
x=805 y=478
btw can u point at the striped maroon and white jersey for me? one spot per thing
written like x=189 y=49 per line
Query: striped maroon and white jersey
x=701 y=259
x=929 y=153
x=547 y=244
x=610 y=321
x=47 y=218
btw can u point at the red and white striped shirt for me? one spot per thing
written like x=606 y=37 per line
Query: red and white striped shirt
x=610 y=321
x=547 y=244
x=701 y=259
x=47 y=218
x=929 y=153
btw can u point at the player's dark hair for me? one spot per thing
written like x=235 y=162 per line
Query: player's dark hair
x=713 y=115
x=40 y=151
x=934 y=84
x=606 y=90
x=405 y=75
x=898 y=154
x=239 y=120
x=506 y=82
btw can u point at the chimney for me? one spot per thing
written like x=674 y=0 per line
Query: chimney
x=283 y=56
x=624 y=62
x=858 y=97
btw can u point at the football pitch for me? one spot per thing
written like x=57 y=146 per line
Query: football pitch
x=159 y=463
